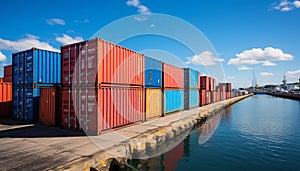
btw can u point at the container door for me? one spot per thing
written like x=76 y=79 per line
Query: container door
x=29 y=68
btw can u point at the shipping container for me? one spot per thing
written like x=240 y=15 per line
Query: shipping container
x=173 y=77
x=153 y=73
x=223 y=95
x=204 y=83
x=190 y=79
x=49 y=106
x=173 y=100
x=1 y=80
x=153 y=103
x=212 y=84
x=95 y=110
x=7 y=79
x=228 y=95
x=8 y=70
x=5 y=109
x=222 y=87
x=208 y=97
x=26 y=103
x=5 y=92
x=36 y=66
x=228 y=87
x=96 y=62
x=202 y=98
x=191 y=99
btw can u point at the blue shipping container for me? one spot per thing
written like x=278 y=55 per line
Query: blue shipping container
x=153 y=73
x=173 y=100
x=191 y=79
x=191 y=99
x=36 y=66
x=26 y=103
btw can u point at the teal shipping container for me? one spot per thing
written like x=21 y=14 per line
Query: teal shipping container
x=191 y=99
x=36 y=66
x=173 y=100
x=191 y=79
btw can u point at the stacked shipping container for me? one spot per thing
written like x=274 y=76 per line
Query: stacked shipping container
x=5 y=100
x=191 y=92
x=7 y=74
x=204 y=92
x=173 y=85
x=31 y=70
x=102 y=86
x=153 y=87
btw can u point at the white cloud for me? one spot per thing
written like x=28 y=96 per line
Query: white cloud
x=258 y=55
x=206 y=58
x=268 y=63
x=54 y=21
x=25 y=43
x=266 y=74
x=3 y=58
x=142 y=9
x=82 y=21
x=286 y=5
x=66 y=39
x=244 y=68
x=293 y=74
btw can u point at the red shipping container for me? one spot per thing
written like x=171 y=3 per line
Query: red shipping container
x=5 y=109
x=204 y=83
x=7 y=79
x=49 y=110
x=8 y=70
x=1 y=80
x=173 y=77
x=95 y=62
x=202 y=98
x=228 y=87
x=5 y=92
x=97 y=110
x=208 y=97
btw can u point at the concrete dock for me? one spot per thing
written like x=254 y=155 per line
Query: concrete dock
x=37 y=147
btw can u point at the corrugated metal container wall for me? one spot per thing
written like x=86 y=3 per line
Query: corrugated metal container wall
x=5 y=109
x=222 y=87
x=190 y=79
x=228 y=95
x=1 y=80
x=26 y=103
x=8 y=70
x=223 y=95
x=173 y=77
x=99 y=110
x=5 y=92
x=173 y=100
x=194 y=98
x=49 y=111
x=199 y=81
x=96 y=61
x=228 y=87
x=202 y=98
x=153 y=73
x=213 y=84
x=7 y=78
x=204 y=83
x=36 y=66
x=208 y=97
x=153 y=103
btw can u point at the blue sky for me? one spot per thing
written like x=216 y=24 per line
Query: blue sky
x=263 y=35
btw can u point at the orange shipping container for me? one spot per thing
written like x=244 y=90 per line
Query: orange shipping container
x=5 y=92
x=49 y=110
x=1 y=80
x=96 y=62
x=95 y=110
x=5 y=109
x=173 y=77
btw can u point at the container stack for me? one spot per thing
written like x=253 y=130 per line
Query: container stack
x=222 y=87
x=191 y=92
x=7 y=74
x=32 y=69
x=153 y=88
x=5 y=100
x=102 y=86
x=204 y=94
x=228 y=90
x=173 y=85
x=213 y=90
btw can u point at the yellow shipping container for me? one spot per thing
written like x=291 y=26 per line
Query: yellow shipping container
x=153 y=102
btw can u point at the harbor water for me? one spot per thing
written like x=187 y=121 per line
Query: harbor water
x=259 y=133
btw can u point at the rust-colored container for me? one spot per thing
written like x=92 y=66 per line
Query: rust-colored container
x=96 y=62
x=5 y=109
x=49 y=106
x=228 y=87
x=228 y=95
x=212 y=84
x=173 y=77
x=1 y=80
x=222 y=87
x=204 y=83
x=223 y=95
x=199 y=80
x=208 y=97
x=8 y=70
x=202 y=98
x=153 y=102
x=7 y=78
x=5 y=92
x=97 y=110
